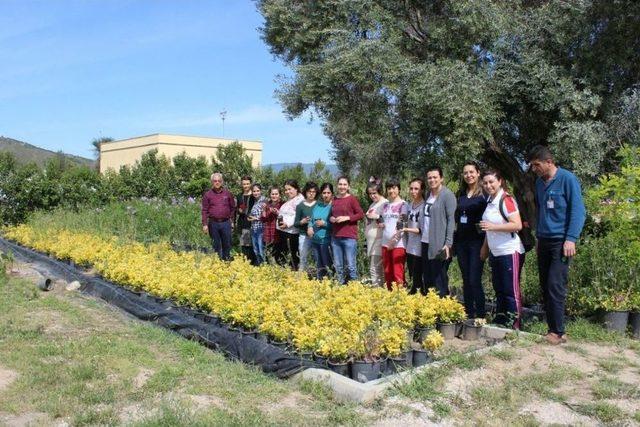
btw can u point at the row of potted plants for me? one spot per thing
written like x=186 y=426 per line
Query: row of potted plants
x=339 y=323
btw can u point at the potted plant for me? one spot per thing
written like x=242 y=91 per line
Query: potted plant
x=425 y=315
x=336 y=348
x=450 y=317
x=366 y=366
x=433 y=341
x=394 y=346
x=616 y=312
x=472 y=328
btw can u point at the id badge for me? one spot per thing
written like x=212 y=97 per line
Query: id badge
x=463 y=219
x=550 y=204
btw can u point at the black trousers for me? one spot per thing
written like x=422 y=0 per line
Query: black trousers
x=471 y=266
x=289 y=248
x=435 y=272
x=553 y=271
x=414 y=266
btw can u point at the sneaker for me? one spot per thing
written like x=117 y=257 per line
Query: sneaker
x=555 y=339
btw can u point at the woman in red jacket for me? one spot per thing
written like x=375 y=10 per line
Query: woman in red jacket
x=345 y=214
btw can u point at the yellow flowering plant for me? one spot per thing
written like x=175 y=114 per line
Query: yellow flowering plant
x=319 y=316
x=433 y=341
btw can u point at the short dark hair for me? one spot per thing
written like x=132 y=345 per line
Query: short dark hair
x=392 y=182
x=310 y=186
x=435 y=168
x=326 y=185
x=275 y=187
x=292 y=183
x=256 y=185
x=246 y=178
x=539 y=152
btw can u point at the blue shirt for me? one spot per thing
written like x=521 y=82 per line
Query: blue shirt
x=321 y=235
x=561 y=211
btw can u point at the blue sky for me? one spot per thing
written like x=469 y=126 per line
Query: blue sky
x=75 y=70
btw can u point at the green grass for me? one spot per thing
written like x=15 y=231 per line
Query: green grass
x=78 y=360
x=613 y=388
x=603 y=411
x=613 y=364
x=504 y=354
x=585 y=330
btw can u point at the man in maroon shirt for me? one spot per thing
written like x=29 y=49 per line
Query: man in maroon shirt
x=218 y=211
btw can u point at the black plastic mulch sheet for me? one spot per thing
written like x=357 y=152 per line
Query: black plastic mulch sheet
x=187 y=322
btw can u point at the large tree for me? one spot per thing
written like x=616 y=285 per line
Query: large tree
x=399 y=84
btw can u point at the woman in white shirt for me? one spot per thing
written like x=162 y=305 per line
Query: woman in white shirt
x=288 y=233
x=501 y=222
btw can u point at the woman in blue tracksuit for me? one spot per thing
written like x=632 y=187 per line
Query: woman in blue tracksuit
x=501 y=222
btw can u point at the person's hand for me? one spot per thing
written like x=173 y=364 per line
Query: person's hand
x=305 y=220
x=484 y=253
x=205 y=229
x=320 y=223
x=310 y=232
x=447 y=252
x=372 y=215
x=233 y=225
x=569 y=249
x=343 y=218
x=381 y=225
x=274 y=210
x=486 y=226
x=332 y=219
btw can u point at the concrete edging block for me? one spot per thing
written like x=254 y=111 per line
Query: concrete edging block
x=346 y=389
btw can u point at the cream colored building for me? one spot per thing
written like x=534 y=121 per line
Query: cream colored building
x=126 y=151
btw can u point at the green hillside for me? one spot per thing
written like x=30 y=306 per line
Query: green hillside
x=27 y=153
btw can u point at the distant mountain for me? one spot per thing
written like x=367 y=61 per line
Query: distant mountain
x=308 y=167
x=27 y=153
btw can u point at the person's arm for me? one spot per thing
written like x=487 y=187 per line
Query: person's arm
x=484 y=250
x=450 y=212
x=298 y=217
x=577 y=211
x=357 y=214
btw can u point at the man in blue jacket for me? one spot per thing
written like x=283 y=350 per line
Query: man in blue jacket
x=561 y=215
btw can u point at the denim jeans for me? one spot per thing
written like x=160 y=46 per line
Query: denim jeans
x=322 y=255
x=304 y=245
x=505 y=276
x=258 y=245
x=344 y=252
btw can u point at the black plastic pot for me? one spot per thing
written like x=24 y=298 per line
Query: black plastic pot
x=403 y=361
x=410 y=334
x=262 y=337
x=280 y=344
x=421 y=333
x=249 y=333
x=470 y=332
x=45 y=284
x=448 y=330
x=634 y=322
x=320 y=360
x=616 y=321
x=305 y=355
x=341 y=368
x=363 y=371
x=421 y=357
